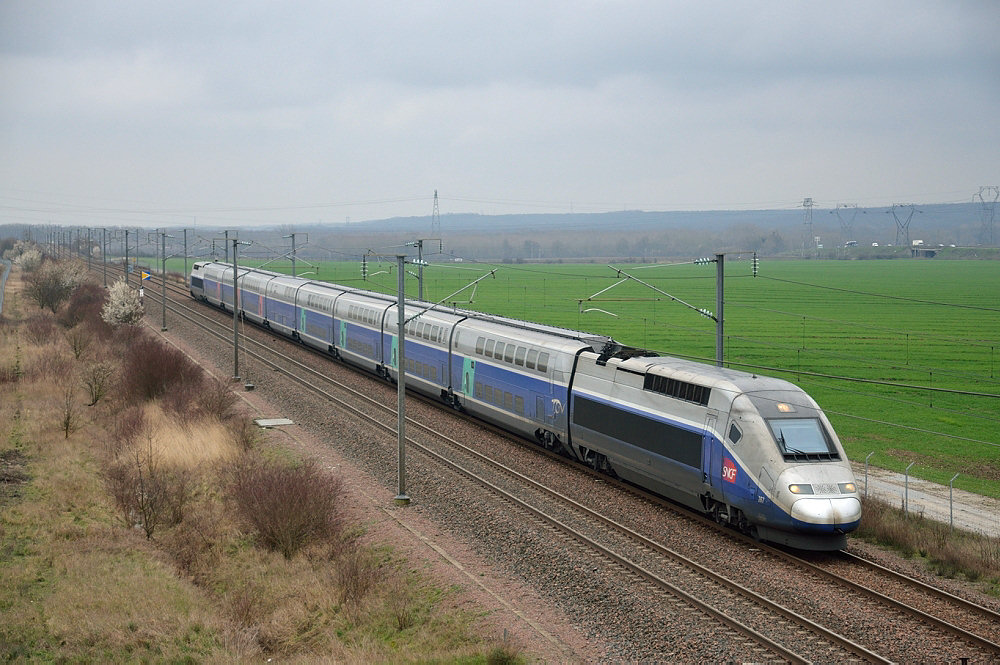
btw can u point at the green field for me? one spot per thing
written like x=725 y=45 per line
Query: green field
x=922 y=323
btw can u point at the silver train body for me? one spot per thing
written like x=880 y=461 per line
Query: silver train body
x=754 y=452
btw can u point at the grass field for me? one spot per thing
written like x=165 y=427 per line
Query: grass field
x=927 y=324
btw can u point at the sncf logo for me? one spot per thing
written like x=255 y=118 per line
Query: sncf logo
x=728 y=470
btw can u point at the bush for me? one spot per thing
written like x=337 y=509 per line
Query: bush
x=128 y=426
x=96 y=378
x=40 y=328
x=146 y=492
x=152 y=368
x=217 y=400
x=85 y=304
x=50 y=285
x=79 y=339
x=287 y=507
x=243 y=432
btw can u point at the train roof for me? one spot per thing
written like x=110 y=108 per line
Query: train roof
x=704 y=374
x=595 y=341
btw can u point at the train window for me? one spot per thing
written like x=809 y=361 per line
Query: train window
x=543 y=362
x=508 y=353
x=519 y=356
x=519 y=405
x=498 y=353
x=508 y=401
x=427 y=330
x=480 y=345
x=490 y=343
x=488 y=393
x=479 y=389
x=734 y=433
x=436 y=333
x=802 y=439
x=532 y=357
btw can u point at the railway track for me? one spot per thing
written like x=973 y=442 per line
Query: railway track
x=748 y=614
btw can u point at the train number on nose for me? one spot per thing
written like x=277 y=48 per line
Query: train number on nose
x=729 y=471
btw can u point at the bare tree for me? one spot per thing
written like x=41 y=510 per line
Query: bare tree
x=96 y=377
x=70 y=419
x=49 y=286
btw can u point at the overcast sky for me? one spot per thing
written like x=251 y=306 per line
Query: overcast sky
x=224 y=113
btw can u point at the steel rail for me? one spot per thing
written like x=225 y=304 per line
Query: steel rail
x=767 y=604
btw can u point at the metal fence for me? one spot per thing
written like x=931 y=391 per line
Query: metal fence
x=5 y=269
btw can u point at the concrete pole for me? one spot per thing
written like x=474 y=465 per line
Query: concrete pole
x=104 y=255
x=236 y=319
x=420 y=270
x=720 y=272
x=163 y=278
x=402 y=498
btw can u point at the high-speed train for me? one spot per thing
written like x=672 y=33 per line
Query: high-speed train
x=754 y=452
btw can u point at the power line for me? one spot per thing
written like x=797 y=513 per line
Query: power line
x=866 y=326
x=852 y=379
x=887 y=398
x=882 y=295
x=911 y=428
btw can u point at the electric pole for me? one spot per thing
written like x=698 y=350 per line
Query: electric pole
x=847 y=227
x=807 y=237
x=987 y=197
x=903 y=226
x=436 y=217
x=402 y=498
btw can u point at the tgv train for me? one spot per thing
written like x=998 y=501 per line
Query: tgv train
x=753 y=452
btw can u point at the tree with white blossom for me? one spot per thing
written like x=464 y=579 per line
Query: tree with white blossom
x=123 y=306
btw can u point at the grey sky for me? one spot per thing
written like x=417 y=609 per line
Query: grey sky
x=152 y=112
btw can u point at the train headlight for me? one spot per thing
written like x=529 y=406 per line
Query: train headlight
x=800 y=489
x=848 y=488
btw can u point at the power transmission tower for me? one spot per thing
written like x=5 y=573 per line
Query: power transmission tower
x=807 y=231
x=436 y=218
x=903 y=227
x=847 y=226
x=987 y=197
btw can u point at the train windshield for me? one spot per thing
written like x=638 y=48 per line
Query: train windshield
x=802 y=439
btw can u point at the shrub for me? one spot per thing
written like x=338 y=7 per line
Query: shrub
x=217 y=400
x=287 y=507
x=79 y=339
x=50 y=285
x=40 y=328
x=192 y=543
x=126 y=429
x=504 y=655
x=85 y=304
x=96 y=377
x=69 y=418
x=243 y=432
x=152 y=368
x=146 y=492
x=29 y=260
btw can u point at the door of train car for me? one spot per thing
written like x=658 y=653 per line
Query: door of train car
x=706 y=451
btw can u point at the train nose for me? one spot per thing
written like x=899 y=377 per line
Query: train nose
x=836 y=512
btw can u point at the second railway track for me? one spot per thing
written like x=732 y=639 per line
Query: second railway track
x=659 y=565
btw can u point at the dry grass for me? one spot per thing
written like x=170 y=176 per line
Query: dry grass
x=75 y=586
x=191 y=444
x=952 y=553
